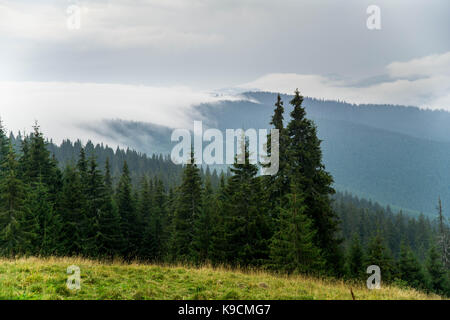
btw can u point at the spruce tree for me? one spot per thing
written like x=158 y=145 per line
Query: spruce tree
x=292 y=248
x=355 y=259
x=218 y=246
x=246 y=220
x=145 y=208
x=409 y=268
x=39 y=164
x=108 y=238
x=127 y=212
x=438 y=278
x=187 y=210
x=160 y=221
x=71 y=207
x=203 y=225
x=13 y=237
x=378 y=254
x=308 y=173
x=278 y=185
x=49 y=223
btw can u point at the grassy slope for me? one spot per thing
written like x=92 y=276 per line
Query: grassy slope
x=34 y=278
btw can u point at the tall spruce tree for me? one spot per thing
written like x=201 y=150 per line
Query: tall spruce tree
x=145 y=207
x=278 y=184
x=201 y=241
x=108 y=238
x=13 y=236
x=218 y=245
x=49 y=224
x=71 y=206
x=246 y=220
x=308 y=173
x=187 y=210
x=127 y=211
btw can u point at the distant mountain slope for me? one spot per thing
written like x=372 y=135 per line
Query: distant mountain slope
x=428 y=124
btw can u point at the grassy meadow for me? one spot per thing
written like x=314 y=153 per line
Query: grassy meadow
x=38 y=278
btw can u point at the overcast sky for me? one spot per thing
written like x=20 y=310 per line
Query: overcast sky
x=151 y=60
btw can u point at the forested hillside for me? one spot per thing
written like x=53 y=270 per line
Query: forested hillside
x=395 y=155
x=286 y=223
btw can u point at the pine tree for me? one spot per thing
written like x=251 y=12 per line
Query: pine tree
x=278 y=185
x=49 y=222
x=409 y=268
x=308 y=172
x=108 y=238
x=378 y=254
x=356 y=259
x=438 y=279
x=292 y=248
x=71 y=205
x=148 y=249
x=186 y=212
x=39 y=165
x=246 y=220
x=217 y=249
x=160 y=219
x=203 y=225
x=127 y=212
x=13 y=236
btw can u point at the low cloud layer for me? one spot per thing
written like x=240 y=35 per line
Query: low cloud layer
x=67 y=110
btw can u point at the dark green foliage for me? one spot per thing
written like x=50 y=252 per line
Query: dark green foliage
x=355 y=259
x=438 y=278
x=201 y=241
x=71 y=205
x=187 y=211
x=246 y=226
x=13 y=237
x=292 y=249
x=45 y=222
x=128 y=214
x=308 y=173
x=378 y=254
x=409 y=269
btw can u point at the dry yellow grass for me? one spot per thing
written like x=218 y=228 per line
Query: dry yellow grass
x=45 y=278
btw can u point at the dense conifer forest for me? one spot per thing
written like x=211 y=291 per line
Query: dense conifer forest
x=92 y=201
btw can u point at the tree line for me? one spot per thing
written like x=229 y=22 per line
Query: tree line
x=284 y=223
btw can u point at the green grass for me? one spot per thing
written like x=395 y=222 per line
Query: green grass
x=37 y=278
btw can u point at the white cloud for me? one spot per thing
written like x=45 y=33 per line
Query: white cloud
x=436 y=64
x=431 y=90
x=62 y=109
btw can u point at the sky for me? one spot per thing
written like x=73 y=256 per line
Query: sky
x=153 y=60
